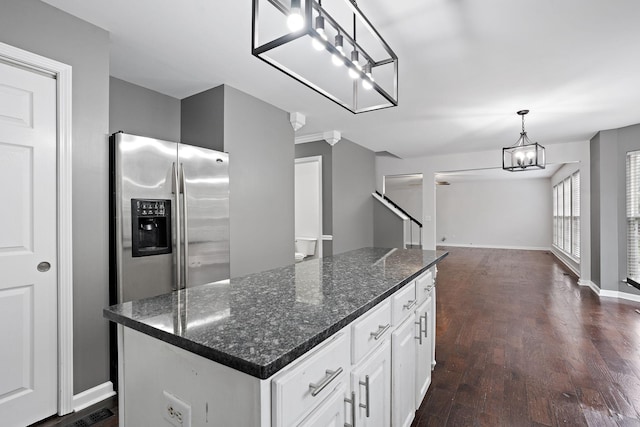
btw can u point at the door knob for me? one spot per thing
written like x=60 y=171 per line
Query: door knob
x=44 y=266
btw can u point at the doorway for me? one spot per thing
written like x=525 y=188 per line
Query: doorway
x=308 y=206
x=405 y=193
x=36 y=292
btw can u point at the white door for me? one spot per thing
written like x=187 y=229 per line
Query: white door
x=28 y=273
x=372 y=382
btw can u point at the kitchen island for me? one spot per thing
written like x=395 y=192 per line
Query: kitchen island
x=226 y=353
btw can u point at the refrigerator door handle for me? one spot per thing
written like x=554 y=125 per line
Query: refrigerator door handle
x=185 y=227
x=176 y=225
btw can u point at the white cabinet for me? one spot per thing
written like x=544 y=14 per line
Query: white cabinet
x=330 y=413
x=423 y=350
x=371 y=382
x=403 y=358
x=301 y=388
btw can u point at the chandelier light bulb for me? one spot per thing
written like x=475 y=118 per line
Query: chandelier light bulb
x=295 y=20
x=353 y=73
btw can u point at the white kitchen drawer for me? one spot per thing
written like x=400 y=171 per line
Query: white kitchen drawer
x=402 y=303
x=319 y=372
x=369 y=330
x=424 y=284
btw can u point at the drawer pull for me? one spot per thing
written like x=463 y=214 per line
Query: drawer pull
x=420 y=332
x=352 y=401
x=409 y=304
x=366 y=406
x=426 y=326
x=331 y=375
x=381 y=330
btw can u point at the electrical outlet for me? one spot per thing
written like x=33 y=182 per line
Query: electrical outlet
x=177 y=412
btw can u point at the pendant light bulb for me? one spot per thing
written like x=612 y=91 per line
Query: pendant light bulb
x=355 y=61
x=295 y=20
x=337 y=59
x=318 y=44
x=367 y=82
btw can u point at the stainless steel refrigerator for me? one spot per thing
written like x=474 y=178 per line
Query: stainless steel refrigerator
x=170 y=216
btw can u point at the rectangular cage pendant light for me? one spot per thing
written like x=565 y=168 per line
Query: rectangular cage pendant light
x=331 y=47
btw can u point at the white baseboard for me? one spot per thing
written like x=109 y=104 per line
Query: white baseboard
x=609 y=294
x=621 y=295
x=567 y=264
x=470 y=245
x=93 y=395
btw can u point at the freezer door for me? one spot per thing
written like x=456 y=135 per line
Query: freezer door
x=205 y=211
x=142 y=168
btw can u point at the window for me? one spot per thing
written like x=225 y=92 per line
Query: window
x=633 y=216
x=566 y=215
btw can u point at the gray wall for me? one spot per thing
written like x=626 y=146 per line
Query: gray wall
x=202 y=119
x=321 y=148
x=510 y=214
x=609 y=223
x=354 y=181
x=44 y=30
x=259 y=140
x=388 y=228
x=595 y=209
x=140 y=111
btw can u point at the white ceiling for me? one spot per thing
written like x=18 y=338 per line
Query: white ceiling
x=466 y=66
x=497 y=174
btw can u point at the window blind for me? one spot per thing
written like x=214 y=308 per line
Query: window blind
x=575 y=214
x=633 y=215
x=566 y=215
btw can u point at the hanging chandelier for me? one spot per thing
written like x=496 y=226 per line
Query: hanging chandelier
x=524 y=154
x=331 y=48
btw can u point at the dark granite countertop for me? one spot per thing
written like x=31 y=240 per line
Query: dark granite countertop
x=260 y=323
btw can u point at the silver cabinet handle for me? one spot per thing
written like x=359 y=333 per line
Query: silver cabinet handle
x=352 y=401
x=331 y=375
x=426 y=326
x=366 y=406
x=409 y=304
x=381 y=330
x=176 y=217
x=420 y=332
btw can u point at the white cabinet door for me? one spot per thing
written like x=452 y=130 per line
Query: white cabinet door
x=423 y=351
x=432 y=327
x=371 y=381
x=403 y=357
x=331 y=412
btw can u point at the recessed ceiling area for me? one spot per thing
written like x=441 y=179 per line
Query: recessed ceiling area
x=465 y=67
x=496 y=174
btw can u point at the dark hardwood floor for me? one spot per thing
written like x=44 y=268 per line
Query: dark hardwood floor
x=519 y=343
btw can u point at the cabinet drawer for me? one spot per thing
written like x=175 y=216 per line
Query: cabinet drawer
x=424 y=284
x=369 y=330
x=297 y=390
x=402 y=303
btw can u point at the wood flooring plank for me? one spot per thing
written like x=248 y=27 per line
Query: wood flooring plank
x=520 y=343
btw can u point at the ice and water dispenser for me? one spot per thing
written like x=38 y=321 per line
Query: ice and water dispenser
x=150 y=227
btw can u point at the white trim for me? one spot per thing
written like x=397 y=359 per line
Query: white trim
x=560 y=258
x=390 y=206
x=63 y=76
x=590 y=284
x=471 y=245
x=93 y=395
x=318 y=160
x=331 y=137
x=620 y=295
x=609 y=294
x=327 y=237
